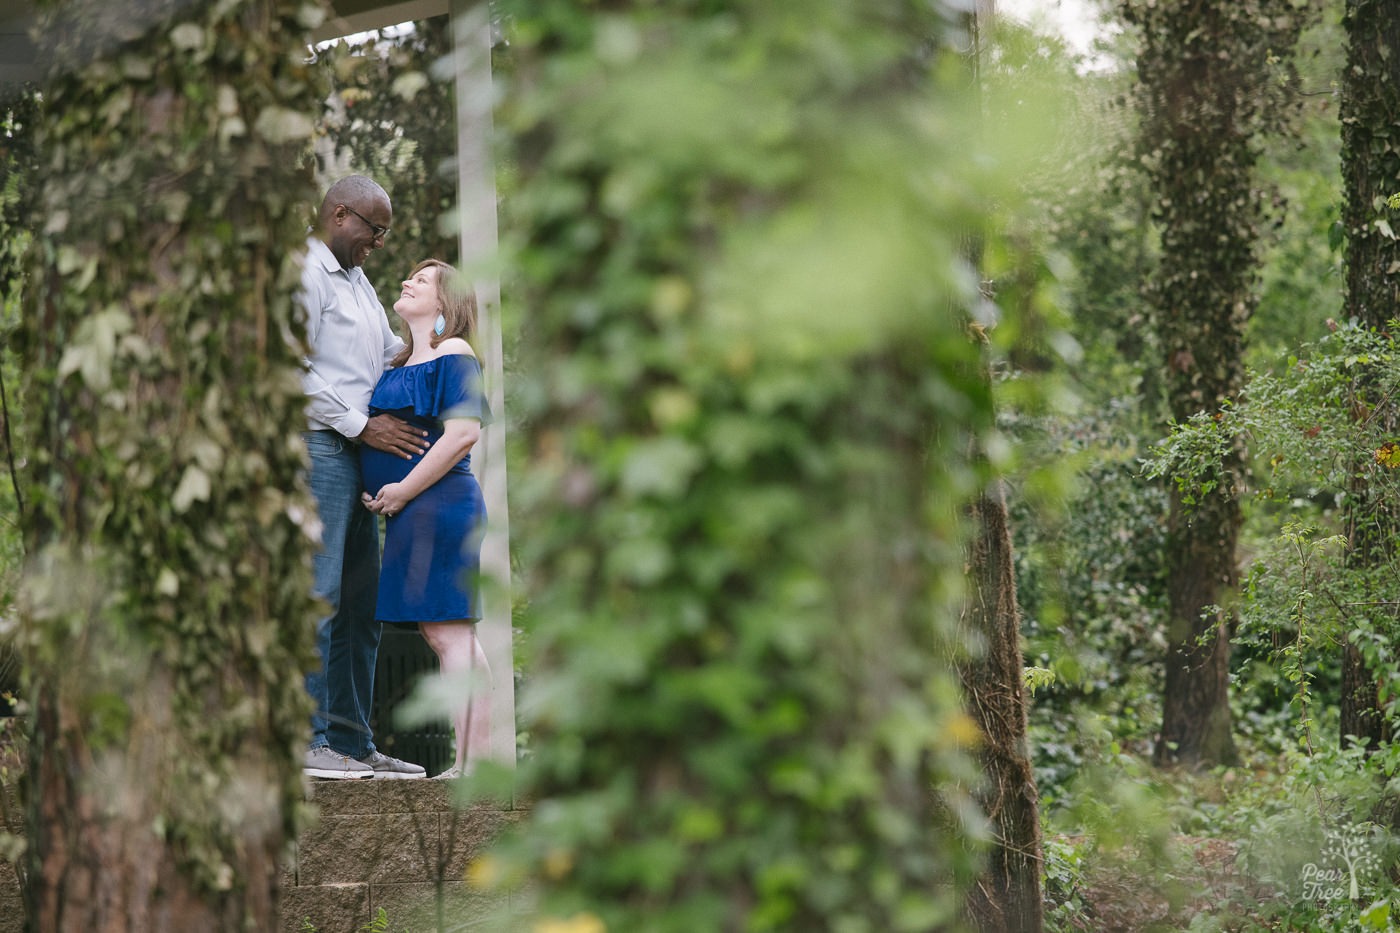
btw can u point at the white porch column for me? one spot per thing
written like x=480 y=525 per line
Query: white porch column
x=476 y=192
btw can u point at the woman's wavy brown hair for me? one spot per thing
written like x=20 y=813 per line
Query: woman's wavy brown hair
x=456 y=303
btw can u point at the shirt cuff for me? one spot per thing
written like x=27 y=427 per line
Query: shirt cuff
x=353 y=424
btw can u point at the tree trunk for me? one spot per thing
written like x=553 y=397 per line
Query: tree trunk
x=1361 y=719
x=166 y=608
x=1201 y=580
x=1370 y=109
x=1207 y=89
x=1007 y=895
x=100 y=865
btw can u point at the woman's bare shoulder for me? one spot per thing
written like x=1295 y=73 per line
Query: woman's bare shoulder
x=454 y=346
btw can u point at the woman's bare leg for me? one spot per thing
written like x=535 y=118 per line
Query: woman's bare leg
x=459 y=651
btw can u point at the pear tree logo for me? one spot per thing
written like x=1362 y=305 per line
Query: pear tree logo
x=1348 y=855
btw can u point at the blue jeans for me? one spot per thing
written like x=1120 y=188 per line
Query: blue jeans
x=347 y=577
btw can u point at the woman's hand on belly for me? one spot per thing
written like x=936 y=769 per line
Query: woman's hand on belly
x=390 y=500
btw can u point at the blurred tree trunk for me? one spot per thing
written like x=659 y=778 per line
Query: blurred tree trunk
x=1208 y=87
x=1370 y=111
x=166 y=611
x=1007 y=894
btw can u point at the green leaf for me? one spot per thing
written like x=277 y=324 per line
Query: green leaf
x=194 y=487
x=281 y=125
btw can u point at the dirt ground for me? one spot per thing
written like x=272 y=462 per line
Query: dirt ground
x=1127 y=897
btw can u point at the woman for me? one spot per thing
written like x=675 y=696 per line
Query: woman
x=432 y=502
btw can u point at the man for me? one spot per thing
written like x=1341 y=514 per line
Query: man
x=351 y=343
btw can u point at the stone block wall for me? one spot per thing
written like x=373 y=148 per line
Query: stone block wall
x=399 y=845
x=11 y=902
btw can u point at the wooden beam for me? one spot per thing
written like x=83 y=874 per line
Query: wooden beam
x=19 y=58
x=352 y=16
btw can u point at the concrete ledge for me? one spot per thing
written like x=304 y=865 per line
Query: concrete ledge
x=353 y=798
x=369 y=848
x=347 y=798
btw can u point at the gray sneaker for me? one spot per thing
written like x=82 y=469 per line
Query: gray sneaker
x=325 y=762
x=382 y=767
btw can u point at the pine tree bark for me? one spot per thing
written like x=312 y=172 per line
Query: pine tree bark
x=1370 y=110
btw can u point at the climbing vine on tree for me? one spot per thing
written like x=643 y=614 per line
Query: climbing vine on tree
x=18 y=112
x=1213 y=79
x=166 y=610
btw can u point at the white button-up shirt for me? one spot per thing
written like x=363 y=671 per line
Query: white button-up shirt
x=351 y=342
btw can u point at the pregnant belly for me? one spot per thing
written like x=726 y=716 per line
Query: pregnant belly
x=378 y=468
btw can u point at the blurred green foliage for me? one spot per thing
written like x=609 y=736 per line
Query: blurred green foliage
x=1301 y=280
x=744 y=403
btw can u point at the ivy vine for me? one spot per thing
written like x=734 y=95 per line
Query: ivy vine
x=167 y=611
x=744 y=394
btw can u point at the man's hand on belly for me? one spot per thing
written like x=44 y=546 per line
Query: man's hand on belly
x=394 y=436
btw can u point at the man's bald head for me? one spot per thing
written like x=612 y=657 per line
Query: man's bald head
x=355 y=217
x=357 y=191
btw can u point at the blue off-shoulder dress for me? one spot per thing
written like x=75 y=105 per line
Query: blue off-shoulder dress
x=432 y=549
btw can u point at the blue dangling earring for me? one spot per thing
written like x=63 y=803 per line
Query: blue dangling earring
x=439 y=325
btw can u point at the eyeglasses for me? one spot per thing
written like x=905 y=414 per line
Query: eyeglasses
x=378 y=231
